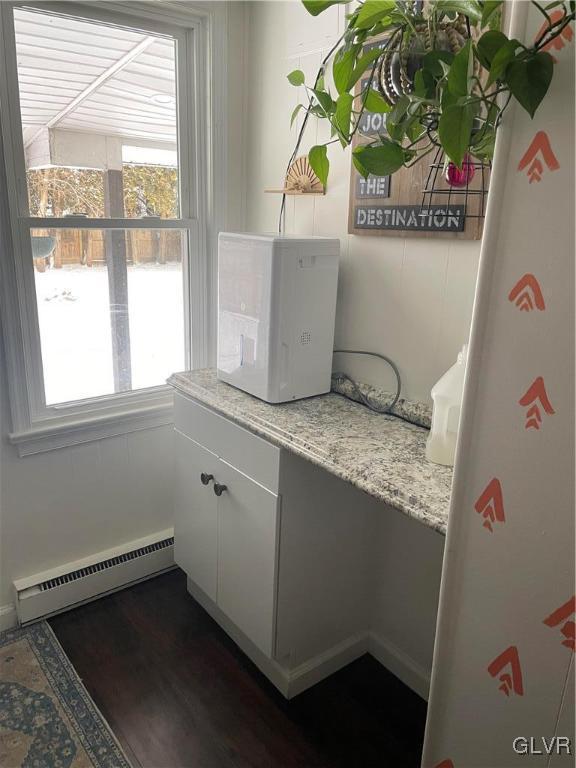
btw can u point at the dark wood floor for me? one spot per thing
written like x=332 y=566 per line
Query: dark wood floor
x=178 y=692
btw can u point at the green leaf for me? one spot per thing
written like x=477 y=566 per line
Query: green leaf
x=415 y=131
x=447 y=98
x=315 y=7
x=454 y=131
x=397 y=119
x=359 y=167
x=488 y=46
x=483 y=148
x=363 y=63
x=502 y=59
x=296 y=77
x=375 y=103
x=529 y=80
x=381 y=159
x=372 y=11
x=343 y=66
x=424 y=84
x=419 y=84
x=297 y=109
x=470 y=8
x=460 y=71
x=400 y=109
x=324 y=100
x=343 y=113
x=432 y=62
x=488 y=9
x=318 y=159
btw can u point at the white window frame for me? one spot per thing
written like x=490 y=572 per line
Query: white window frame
x=199 y=30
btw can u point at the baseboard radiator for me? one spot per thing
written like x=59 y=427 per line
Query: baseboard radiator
x=79 y=582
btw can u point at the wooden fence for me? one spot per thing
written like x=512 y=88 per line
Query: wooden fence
x=87 y=247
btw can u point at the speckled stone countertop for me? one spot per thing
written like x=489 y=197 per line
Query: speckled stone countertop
x=381 y=455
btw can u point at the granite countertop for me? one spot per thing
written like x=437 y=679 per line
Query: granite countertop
x=379 y=454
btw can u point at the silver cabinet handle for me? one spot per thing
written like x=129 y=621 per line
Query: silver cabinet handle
x=219 y=489
x=205 y=478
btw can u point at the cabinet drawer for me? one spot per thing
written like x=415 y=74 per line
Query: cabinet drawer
x=249 y=453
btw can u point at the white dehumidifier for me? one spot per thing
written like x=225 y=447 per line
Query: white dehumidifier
x=276 y=309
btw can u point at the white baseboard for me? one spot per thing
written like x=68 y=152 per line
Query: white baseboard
x=289 y=682
x=75 y=583
x=319 y=667
x=277 y=675
x=400 y=664
x=8 y=617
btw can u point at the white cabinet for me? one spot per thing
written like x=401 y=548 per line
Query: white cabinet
x=195 y=519
x=225 y=539
x=301 y=569
x=247 y=536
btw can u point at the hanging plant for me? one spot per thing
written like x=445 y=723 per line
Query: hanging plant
x=441 y=71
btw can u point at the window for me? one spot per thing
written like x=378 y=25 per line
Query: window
x=110 y=309
x=103 y=165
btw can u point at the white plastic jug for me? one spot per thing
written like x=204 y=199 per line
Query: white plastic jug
x=447 y=397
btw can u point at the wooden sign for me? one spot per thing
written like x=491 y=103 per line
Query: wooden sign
x=417 y=218
x=373 y=186
x=417 y=200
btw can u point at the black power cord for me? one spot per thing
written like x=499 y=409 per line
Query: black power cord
x=359 y=394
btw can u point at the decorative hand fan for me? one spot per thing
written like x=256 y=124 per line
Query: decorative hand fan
x=301 y=180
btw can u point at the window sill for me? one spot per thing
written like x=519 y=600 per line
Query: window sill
x=51 y=436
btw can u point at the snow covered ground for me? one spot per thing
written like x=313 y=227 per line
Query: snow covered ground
x=74 y=313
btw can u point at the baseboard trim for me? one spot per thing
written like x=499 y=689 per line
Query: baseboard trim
x=81 y=581
x=277 y=675
x=319 y=667
x=8 y=617
x=289 y=682
x=400 y=664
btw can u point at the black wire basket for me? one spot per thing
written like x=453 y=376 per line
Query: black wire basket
x=471 y=191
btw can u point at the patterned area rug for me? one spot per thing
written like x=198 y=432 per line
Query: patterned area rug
x=47 y=718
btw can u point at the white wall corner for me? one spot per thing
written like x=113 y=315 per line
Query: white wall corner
x=8 y=617
x=410 y=672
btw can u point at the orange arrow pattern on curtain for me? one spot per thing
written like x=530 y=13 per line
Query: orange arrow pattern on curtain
x=540 y=144
x=568 y=628
x=510 y=680
x=535 y=397
x=490 y=504
x=527 y=294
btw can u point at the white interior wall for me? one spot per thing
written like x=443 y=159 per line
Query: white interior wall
x=66 y=504
x=405 y=297
x=407 y=555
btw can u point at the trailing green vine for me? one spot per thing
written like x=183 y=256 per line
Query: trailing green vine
x=442 y=73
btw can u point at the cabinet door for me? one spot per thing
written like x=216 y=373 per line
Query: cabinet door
x=247 y=543
x=195 y=518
